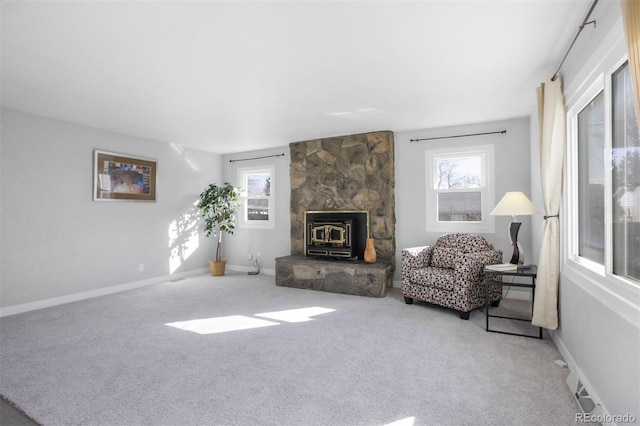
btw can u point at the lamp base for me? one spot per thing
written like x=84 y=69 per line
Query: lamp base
x=517 y=258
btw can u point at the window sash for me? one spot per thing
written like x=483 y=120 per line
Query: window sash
x=625 y=179
x=257 y=210
x=603 y=267
x=460 y=221
x=591 y=185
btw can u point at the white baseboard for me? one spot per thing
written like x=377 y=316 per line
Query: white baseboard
x=573 y=367
x=54 y=301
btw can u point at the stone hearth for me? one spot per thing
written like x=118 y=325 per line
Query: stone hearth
x=347 y=277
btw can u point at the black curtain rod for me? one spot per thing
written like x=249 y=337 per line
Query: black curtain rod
x=257 y=158
x=585 y=21
x=458 y=136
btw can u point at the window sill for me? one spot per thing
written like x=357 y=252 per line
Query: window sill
x=619 y=296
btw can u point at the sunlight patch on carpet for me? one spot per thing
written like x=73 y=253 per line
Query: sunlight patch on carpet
x=242 y=322
x=221 y=324
x=407 y=421
x=296 y=315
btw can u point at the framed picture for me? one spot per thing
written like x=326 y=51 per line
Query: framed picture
x=120 y=177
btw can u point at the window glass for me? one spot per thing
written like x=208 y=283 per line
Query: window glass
x=458 y=173
x=460 y=206
x=257 y=198
x=591 y=181
x=458 y=196
x=258 y=190
x=458 y=181
x=258 y=184
x=625 y=177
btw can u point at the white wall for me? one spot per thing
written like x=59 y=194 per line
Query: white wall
x=599 y=332
x=270 y=243
x=57 y=242
x=512 y=164
x=512 y=173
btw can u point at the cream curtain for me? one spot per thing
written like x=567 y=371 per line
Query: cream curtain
x=551 y=121
x=631 y=19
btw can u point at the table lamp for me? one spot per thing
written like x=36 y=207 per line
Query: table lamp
x=515 y=204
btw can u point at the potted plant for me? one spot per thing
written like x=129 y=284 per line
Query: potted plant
x=218 y=206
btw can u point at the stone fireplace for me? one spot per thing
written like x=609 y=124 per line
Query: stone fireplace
x=353 y=172
x=338 y=174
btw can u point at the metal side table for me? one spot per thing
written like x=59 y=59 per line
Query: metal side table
x=530 y=272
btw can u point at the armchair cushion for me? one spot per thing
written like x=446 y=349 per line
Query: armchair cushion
x=467 y=243
x=444 y=257
x=441 y=278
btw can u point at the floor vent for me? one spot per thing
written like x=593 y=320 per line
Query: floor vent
x=589 y=406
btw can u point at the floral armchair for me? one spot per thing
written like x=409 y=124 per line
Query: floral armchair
x=449 y=273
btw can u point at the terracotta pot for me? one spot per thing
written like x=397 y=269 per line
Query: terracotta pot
x=217 y=267
x=370 y=252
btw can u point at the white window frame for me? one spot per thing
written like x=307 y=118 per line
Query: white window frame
x=573 y=244
x=598 y=280
x=243 y=221
x=487 y=225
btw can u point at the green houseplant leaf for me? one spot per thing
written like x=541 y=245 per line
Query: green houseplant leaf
x=218 y=206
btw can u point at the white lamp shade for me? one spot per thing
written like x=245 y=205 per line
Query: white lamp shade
x=514 y=204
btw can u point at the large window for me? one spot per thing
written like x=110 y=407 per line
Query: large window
x=625 y=178
x=459 y=193
x=604 y=179
x=257 y=198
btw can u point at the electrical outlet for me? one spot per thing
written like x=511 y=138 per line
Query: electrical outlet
x=250 y=256
x=141 y=267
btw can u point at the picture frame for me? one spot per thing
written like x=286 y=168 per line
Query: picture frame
x=121 y=177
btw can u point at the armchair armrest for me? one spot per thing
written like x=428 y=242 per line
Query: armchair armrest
x=481 y=258
x=416 y=257
x=469 y=266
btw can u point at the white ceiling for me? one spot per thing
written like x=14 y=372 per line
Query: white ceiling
x=236 y=76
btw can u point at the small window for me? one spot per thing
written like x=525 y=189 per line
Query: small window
x=257 y=198
x=458 y=192
x=458 y=182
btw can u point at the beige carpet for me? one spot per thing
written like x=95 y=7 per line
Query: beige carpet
x=237 y=350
